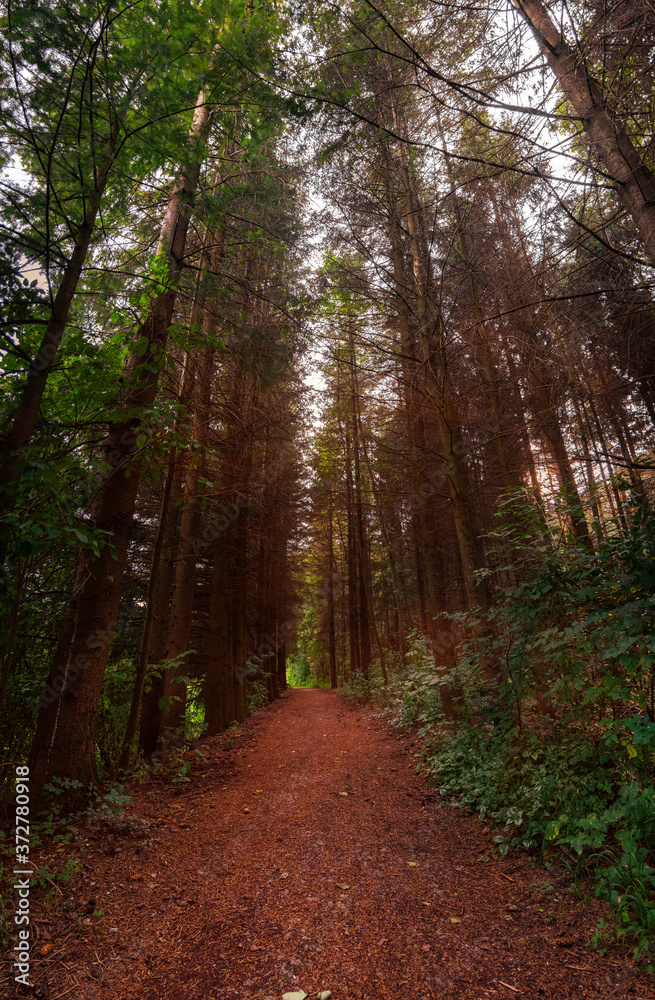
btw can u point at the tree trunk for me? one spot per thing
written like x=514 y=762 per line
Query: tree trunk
x=332 y=646
x=429 y=563
x=360 y=540
x=220 y=658
x=24 y=422
x=540 y=380
x=178 y=632
x=635 y=184
x=64 y=743
x=158 y=597
x=239 y=688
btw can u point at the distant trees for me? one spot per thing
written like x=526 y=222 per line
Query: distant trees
x=174 y=514
x=484 y=326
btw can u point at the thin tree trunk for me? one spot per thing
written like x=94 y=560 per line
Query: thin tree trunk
x=330 y=604
x=158 y=593
x=361 y=547
x=24 y=422
x=541 y=384
x=390 y=556
x=489 y=374
x=354 y=660
x=429 y=565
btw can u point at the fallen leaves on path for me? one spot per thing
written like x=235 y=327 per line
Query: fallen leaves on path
x=241 y=904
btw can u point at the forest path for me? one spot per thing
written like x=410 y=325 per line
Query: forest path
x=309 y=855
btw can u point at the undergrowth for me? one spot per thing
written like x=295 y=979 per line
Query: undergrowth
x=556 y=744
x=53 y=834
x=300 y=673
x=561 y=797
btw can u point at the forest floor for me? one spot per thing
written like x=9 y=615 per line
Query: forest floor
x=306 y=853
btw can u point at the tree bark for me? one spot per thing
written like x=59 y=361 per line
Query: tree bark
x=635 y=183
x=24 y=422
x=64 y=743
x=178 y=631
x=429 y=563
x=157 y=599
x=220 y=657
x=332 y=645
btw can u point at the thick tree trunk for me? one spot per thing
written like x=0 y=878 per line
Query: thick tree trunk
x=64 y=739
x=239 y=681
x=146 y=707
x=281 y=611
x=178 y=631
x=174 y=630
x=355 y=665
x=635 y=184
x=220 y=658
x=225 y=678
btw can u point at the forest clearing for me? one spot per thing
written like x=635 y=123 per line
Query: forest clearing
x=327 y=340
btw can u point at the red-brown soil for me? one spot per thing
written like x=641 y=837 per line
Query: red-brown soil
x=307 y=854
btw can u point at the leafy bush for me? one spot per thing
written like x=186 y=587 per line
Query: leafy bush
x=418 y=699
x=559 y=681
x=300 y=674
x=561 y=796
x=359 y=688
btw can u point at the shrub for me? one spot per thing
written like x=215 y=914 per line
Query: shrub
x=559 y=748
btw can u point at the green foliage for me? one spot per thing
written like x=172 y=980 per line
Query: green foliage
x=257 y=683
x=371 y=688
x=629 y=886
x=257 y=695
x=559 y=746
x=299 y=671
x=113 y=802
x=357 y=689
x=113 y=710
x=194 y=719
x=177 y=768
x=300 y=674
x=418 y=699
x=560 y=796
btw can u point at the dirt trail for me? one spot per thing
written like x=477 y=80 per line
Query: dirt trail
x=309 y=855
